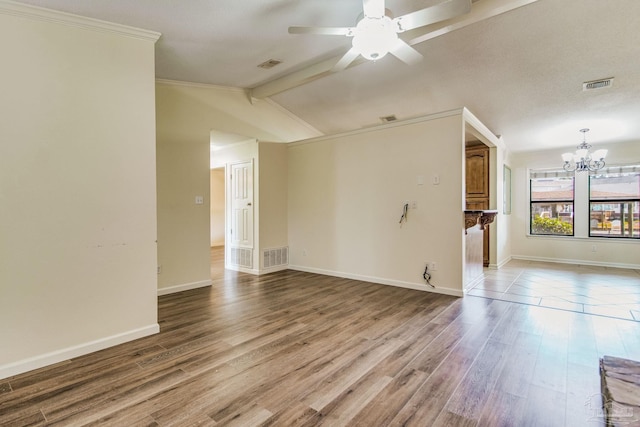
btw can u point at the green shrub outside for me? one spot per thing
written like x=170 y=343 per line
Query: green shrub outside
x=551 y=226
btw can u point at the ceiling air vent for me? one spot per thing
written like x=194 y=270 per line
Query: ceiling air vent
x=597 y=84
x=269 y=64
x=387 y=119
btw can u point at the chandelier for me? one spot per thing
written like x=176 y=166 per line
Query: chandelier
x=582 y=160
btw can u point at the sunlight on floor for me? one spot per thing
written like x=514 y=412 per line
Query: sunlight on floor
x=604 y=291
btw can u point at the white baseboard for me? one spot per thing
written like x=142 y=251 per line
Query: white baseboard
x=57 y=356
x=499 y=265
x=253 y=271
x=381 y=281
x=473 y=283
x=274 y=269
x=184 y=287
x=577 y=262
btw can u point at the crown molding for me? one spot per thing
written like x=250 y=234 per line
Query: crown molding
x=12 y=8
x=170 y=82
x=441 y=115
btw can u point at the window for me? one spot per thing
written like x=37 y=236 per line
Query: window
x=551 y=203
x=614 y=203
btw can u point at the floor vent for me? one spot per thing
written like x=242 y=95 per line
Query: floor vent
x=242 y=257
x=275 y=257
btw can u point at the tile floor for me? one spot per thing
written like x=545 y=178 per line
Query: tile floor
x=604 y=291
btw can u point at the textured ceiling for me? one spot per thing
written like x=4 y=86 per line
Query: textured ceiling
x=520 y=72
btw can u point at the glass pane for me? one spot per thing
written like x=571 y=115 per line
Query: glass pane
x=552 y=218
x=619 y=219
x=552 y=189
x=617 y=186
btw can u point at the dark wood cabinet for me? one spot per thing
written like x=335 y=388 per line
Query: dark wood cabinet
x=477 y=186
x=477 y=172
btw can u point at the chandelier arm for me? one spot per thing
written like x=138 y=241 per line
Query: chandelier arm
x=583 y=160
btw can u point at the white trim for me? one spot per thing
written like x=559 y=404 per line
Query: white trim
x=380 y=281
x=253 y=271
x=472 y=284
x=591 y=239
x=57 y=356
x=441 y=115
x=200 y=85
x=482 y=132
x=56 y=17
x=184 y=287
x=500 y=264
x=577 y=262
x=274 y=269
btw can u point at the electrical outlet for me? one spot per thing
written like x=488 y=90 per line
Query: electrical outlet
x=594 y=248
x=159 y=269
x=433 y=266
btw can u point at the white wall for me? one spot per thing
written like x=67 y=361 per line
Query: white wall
x=184 y=242
x=273 y=177
x=501 y=244
x=77 y=187
x=217 y=205
x=346 y=194
x=578 y=249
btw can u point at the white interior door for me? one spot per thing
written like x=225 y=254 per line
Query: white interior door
x=241 y=232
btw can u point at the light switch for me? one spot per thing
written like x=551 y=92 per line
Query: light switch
x=420 y=179
x=199 y=200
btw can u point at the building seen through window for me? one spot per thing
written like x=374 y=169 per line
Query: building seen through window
x=614 y=203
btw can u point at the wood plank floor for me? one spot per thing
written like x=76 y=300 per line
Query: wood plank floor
x=294 y=348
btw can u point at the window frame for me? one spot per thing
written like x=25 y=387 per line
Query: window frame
x=621 y=202
x=532 y=202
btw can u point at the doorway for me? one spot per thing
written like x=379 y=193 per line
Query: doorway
x=477 y=189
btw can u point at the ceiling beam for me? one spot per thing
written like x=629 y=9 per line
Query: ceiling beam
x=481 y=10
x=297 y=78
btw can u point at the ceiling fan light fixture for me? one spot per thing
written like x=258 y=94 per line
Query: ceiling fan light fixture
x=373 y=38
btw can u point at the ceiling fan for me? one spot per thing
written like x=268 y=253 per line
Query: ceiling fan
x=376 y=33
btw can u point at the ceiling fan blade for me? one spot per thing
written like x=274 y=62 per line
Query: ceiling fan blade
x=440 y=12
x=405 y=53
x=373 y=8
x=347 y=59
x=329 y=31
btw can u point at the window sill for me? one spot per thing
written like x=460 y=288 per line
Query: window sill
x=625 y=240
